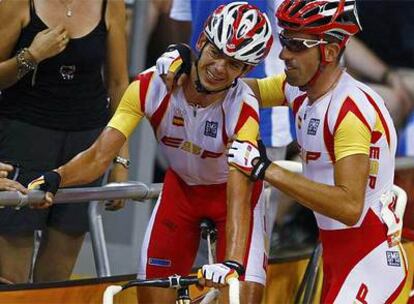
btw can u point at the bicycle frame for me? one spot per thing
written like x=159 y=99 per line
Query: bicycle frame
x=181 y=283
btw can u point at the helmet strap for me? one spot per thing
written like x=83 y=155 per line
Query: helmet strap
x=322 y=64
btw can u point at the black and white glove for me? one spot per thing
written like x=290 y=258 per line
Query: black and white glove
x=49 y=183
x=248 y=158
x=220 y=273
x=176 y=59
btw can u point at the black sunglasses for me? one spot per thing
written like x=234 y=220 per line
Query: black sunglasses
x=297 y=45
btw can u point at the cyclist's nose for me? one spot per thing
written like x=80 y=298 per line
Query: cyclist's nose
x=220 y=65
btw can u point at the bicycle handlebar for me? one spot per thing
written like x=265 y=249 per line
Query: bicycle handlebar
x=175 y=281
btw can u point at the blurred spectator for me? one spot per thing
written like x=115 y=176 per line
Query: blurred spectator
x=384 y=56
x=62 y=72
x=160 y=25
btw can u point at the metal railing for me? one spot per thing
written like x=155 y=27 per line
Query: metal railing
x=131 y=190
x=135 y=191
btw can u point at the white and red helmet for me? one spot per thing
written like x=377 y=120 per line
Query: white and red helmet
x=337 y=18
x=241 y=31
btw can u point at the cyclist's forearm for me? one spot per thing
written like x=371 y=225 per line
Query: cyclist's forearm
x=90 y=164
x=238 y=216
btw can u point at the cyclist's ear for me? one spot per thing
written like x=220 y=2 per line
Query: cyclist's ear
x=332 y=52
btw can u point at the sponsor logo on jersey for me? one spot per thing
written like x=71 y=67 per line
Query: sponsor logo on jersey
x=361 y=295
x=313 y=126
x=159 y=262
x=393 y=258
x=311 y=156
x=178 y=121
x=187 y=146
x=210 y=129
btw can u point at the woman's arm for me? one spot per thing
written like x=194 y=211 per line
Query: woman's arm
x=116 y=78
x=116 y=72
x=14 y=15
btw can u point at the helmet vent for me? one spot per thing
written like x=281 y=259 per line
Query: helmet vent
x=311 y=12
x=258 y=49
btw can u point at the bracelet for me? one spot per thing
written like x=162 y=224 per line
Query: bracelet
x=25 y=63
x=122 y=161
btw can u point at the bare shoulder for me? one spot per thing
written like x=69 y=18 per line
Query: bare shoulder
x=115 y=13
x=14 y=15
x=17 y=11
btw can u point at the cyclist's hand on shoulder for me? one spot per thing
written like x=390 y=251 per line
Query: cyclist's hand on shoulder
x=248 y=158
x=174 y=65
x=49 y=183
x=217 y=275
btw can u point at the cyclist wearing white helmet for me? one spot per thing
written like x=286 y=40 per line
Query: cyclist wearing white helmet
x=239 y=31
x=348 y=142
x=193 y=126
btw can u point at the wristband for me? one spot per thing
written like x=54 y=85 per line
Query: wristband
x=239 y=268
x=262 y=163
x=259 y=169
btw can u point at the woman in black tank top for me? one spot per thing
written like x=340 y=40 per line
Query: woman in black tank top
x=62 y=73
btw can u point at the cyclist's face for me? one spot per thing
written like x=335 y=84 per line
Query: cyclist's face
x=216 y=70
x=300 y=63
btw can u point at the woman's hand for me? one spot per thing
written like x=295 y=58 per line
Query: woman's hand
x=49 y=43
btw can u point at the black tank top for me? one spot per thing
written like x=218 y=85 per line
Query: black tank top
x=68 y=92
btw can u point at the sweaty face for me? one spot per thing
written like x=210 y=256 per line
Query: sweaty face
x=216 y=70
x=301 y=55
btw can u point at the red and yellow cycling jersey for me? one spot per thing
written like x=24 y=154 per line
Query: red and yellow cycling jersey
x=192 y=138
x=349 y=119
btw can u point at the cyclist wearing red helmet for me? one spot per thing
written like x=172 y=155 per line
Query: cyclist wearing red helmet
x=347 y=141
x=193 y=126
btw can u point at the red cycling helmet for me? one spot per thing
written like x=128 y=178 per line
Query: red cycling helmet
x=337 y=18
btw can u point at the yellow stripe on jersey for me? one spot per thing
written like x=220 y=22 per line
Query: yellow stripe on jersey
x=129 y=113
x=271 y=90
x=249 y=131
x=351 y=137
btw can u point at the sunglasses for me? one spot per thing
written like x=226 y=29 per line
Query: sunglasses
x=297 y=45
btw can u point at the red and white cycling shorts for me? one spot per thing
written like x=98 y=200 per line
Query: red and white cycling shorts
x=359 y=266
x=173 y=234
